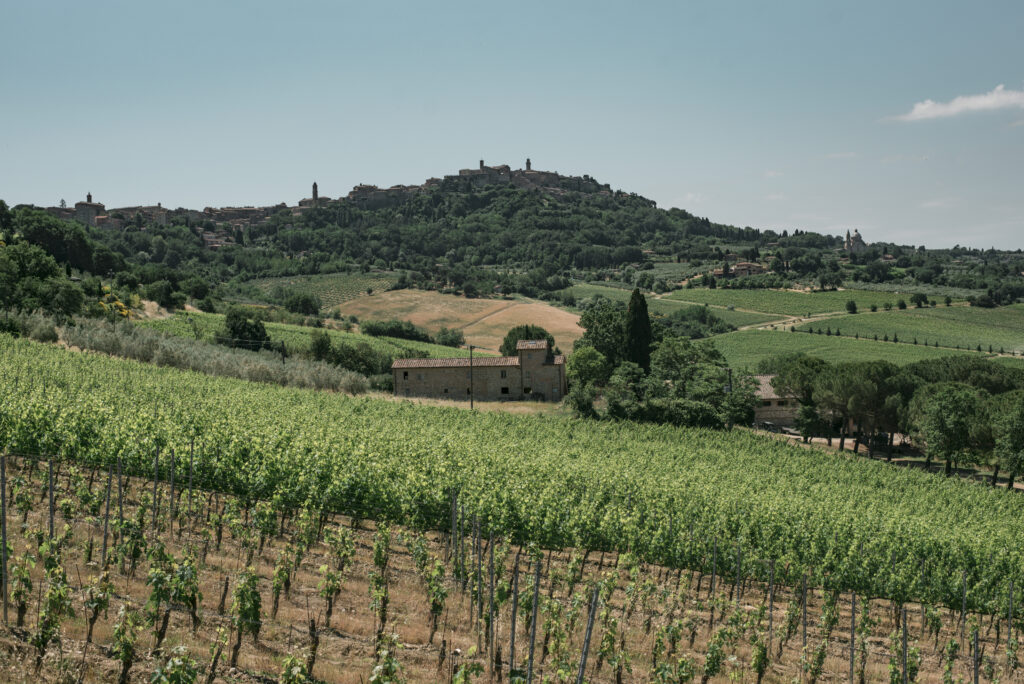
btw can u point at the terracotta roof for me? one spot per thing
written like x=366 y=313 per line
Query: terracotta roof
x=478 y=362
x=764 y=387
x=531 y=344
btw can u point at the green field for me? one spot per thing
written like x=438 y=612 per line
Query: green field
x=1002 y=328
x=788 y=302
x=333 y=288
x=745 y=348
x=667 y=494
x=664 y=305
x=296 y=337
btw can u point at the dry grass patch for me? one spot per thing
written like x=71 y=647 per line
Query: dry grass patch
x=483 y=321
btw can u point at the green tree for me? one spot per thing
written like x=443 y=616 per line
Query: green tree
x=919 y=300
x=524 y=332
x=1008 y=433
x=587 y=366
x=947 y=416
x=242 y=331
x=604 y=325
x=638 y=331
x=851 y=307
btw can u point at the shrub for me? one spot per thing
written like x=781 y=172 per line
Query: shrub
x=395 y=328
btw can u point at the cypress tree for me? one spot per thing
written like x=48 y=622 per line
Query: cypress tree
x=638 y=331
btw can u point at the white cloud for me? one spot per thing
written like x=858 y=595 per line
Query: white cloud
x=999 y=98
x=692 y=198
x=1018 y=123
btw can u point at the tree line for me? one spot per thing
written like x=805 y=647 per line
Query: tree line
x=961 y=411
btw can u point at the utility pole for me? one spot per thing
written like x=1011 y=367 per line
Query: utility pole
x=471 y=377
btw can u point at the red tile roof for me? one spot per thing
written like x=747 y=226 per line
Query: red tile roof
x=478 y=362
x=764 y=389
x=531 y=344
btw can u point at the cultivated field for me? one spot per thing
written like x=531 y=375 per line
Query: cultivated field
x=968 y=327
x=789 y=302
x=484 y=322
x=296 y=337
x=745 y=348
x=331 y=288
x=663 y=305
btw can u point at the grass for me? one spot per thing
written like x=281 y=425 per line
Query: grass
x=788 y=302
x=332 y=288
x=745 y=348
x=665 y=305
x=1002 y=328
x=297 y=337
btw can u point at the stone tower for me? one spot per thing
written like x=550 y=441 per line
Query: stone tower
x=315 y=195
x=528 y=165
x=481 y=164
x=88 y=197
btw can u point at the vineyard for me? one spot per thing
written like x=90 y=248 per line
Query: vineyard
x=788 y=302
x=966 y=327
x=296 y=337
x=745 y=348
x=331 y=289
x=849 y=523
x=152 y=579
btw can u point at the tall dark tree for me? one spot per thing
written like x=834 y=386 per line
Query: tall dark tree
x=638 y=331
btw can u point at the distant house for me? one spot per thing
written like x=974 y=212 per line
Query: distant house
x=535 y=372
x=739 y=269
x=771 y=407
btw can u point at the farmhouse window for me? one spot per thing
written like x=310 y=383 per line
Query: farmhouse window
x=766 y=402
x=504 y=374
x=527 y=390
x=446 y=390
x=504 y=390
x=419 y=376
x=405 y=375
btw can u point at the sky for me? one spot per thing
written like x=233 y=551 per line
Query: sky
x=904 y=120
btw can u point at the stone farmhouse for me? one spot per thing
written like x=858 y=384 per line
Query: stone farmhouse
x=535 y=372
x=772 y=408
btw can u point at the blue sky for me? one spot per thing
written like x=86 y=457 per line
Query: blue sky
x=823 y=116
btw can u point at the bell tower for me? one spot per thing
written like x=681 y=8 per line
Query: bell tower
x=528 y=165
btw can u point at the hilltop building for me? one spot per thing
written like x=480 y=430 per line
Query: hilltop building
x=87 y=211
x=535 y=372
x=230 y=220
x=854 y=244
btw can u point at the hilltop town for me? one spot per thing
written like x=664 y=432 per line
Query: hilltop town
x=223 y=221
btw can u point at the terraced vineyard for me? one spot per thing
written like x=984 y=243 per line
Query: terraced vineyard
x=968 y=327
x=297 y=337
x=788 y=302
x=332 y=288
x=745 y=348
x=670 y=495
